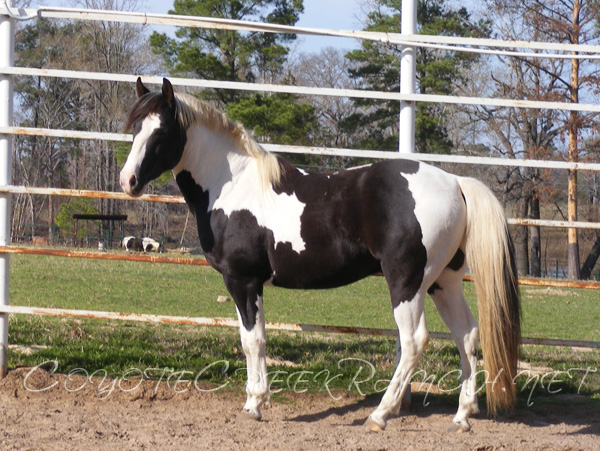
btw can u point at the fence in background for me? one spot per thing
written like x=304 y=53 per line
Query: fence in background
x=407 y=96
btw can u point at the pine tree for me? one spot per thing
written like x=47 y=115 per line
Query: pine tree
x=438 y=72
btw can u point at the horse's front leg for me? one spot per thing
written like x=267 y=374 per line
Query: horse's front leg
x=249 y=306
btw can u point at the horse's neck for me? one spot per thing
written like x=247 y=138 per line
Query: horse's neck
x=214 y=161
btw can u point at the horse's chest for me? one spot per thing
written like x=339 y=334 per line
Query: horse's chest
x=243 y=240
x=277 y=214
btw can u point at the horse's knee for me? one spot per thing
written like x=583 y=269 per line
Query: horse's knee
x=253 y=344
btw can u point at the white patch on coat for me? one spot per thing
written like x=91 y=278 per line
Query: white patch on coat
x=233 y=184
x=440 y=210
x=138 y=150
x=279 y=213
x=126 y=240
x=150 y=245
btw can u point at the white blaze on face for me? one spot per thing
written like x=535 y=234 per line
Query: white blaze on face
x=138 y=150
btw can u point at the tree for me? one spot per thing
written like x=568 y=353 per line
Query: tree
x=277 y=118
x=536 y=133
x=228 y=54
x=45 y=103
x=64 y=219
x=330 y=69
x=79 y=105
x=237 y=56
x=114 y=48
x=524 y=133
x=438 y=72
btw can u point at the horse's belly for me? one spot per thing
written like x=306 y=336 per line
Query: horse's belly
x=320 y=271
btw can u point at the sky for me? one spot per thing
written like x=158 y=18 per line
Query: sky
x=335 y=14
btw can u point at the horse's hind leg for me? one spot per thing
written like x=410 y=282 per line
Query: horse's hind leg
x=447 y=293
x=410 y=318
x=406 y=402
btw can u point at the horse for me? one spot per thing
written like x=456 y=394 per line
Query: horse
x=150 y=245
x=263 y=221
x=131 y=243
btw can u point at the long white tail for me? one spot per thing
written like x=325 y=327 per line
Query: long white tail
x=490 y=258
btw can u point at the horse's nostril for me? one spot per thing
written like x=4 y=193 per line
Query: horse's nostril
x=132 y=181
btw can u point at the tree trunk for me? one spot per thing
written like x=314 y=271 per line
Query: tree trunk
x=535 y=239
x=50 y=219
x=573 y=153
x=592 y=258
x=520 y=240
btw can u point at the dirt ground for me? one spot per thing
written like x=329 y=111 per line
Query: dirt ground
x=69 y=413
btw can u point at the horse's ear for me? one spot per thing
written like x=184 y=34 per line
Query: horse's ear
x=168 y=94
x=140 y=88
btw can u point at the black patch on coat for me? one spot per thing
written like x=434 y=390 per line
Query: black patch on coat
x=240 y=254
x=457 y=261
x=135 y=244
x=355 y=223
x=235 y=245
x=433 y=288
x=197 y=200
x=394 y=229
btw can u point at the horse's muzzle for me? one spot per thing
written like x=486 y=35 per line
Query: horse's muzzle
x=131 y=184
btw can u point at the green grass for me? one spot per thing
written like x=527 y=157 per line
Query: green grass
x=191 y=291
x=116 y=347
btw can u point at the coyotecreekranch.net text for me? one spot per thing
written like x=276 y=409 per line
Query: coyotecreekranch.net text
x=362 y=379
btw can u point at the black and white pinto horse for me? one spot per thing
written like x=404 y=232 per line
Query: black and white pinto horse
x=262 y=220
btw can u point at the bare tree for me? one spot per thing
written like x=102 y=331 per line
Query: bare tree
x=80 y=105
x=328 y=69
x=540 y=134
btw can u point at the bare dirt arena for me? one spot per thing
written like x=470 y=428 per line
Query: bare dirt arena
x=68 y=414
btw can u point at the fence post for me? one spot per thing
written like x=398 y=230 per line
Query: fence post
x=6 y=112
x=406 y=139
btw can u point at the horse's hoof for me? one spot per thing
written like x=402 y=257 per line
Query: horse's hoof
x=460 y=425
x=372 y=426
x=459 y=429
x=246 y=415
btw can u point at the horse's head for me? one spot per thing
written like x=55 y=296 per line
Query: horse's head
x=158 y=138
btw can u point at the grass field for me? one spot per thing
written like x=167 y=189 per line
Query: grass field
x=117 y=347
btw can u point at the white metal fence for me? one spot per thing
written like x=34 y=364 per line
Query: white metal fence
x=407 y=96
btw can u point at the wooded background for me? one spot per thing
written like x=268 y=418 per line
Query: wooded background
x=320 y=121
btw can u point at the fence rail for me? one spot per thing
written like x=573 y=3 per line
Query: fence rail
x=180 y=200
x=27 y=250
x=336 y=92
x=466 y=44
x=332 y=151
x=231 y=322
x=408 y=98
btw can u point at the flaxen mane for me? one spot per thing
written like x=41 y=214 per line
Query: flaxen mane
x=190 y=111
